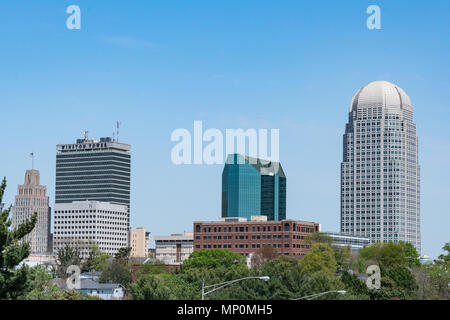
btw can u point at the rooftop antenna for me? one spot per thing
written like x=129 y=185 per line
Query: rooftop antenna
x=117 y=130
x=86 y=134
x=32 y=160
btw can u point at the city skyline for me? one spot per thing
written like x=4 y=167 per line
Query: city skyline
x=157 y=67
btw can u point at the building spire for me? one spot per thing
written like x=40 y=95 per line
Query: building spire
x=32 y=160
x=117 y=130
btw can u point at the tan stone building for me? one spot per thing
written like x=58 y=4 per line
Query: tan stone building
x=138 y=242
x=32 y=197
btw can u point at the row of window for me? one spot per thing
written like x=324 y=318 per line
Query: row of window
x=246 y=246
x=198 y=229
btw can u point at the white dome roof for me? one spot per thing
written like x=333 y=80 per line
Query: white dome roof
x=381 y=93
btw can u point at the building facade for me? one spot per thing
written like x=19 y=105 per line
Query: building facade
x=380 y=173
x=347 y=240
x=253 y=187
x=138 y=242
x=82 y=223
x=247 y=236
x=94 y=170
x=46 y=260
x=32 y=197
x=174 y=249
x=89 y=286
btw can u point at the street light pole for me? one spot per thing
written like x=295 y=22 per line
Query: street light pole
x=219 y=286
x=203 y=289
x=313 y=296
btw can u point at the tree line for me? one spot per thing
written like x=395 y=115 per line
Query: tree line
x=327 y=267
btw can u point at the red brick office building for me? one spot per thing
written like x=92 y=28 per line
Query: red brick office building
x=244 y=237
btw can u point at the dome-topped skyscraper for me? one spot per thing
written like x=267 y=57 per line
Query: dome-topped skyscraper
x=381 y=93
x=380 y=173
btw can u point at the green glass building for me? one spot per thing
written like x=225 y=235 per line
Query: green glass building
x=252 y=187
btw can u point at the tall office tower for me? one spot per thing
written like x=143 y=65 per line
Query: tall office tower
x=32 y=197
x=93 y=170
x=380 y=173
x=252 y=187
x=82 y=223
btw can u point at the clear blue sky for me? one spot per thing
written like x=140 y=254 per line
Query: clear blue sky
x=159 y=65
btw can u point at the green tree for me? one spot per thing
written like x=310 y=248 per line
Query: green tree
x=213 y=258
x=264 y=255
x=342 y=257
x=438 y=275
x=39 y=284
x=397 y=282
x=323 y=282
x=341 y=254
x=13 y=280
x=320 y=258
x=69 y=254
x=317 y=237
x=354 y=286
x=123 y=254
x=396 y=261
x=411 y=254
x=388 y=254
x=41 y=287
x=150 y=287
x=445 y=258
x=150 y=267
x=287 y=279
x=163 y=287
x=96 y=260
x=116 y=271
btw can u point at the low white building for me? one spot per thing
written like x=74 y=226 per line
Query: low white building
x=174 y=249
x=105 y=291
x=82 y=223
x=39 y=259
x=348 y=240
